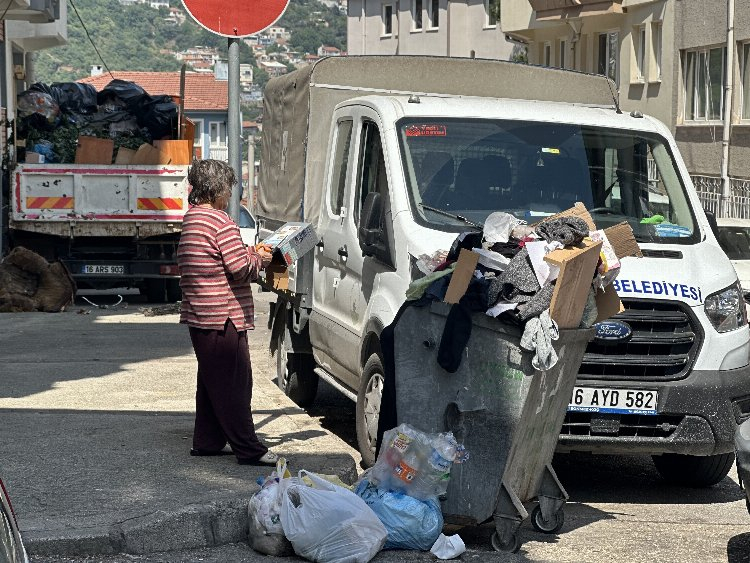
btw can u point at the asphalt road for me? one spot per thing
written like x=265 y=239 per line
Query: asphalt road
x=619 y=509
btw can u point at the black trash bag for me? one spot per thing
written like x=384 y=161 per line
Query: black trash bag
x=41 y=87
x=159 y=116
x=129 y=92
x=74 y=97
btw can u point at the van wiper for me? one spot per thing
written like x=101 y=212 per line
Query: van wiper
x=461 y=218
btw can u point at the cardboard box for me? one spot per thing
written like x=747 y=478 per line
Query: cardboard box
x=34 y=158
x=176 y=152
x=461 y=277
x=92 y=150
x=608 y=303
x=578 y=210
x=292 y=241
x=623 y=241
x=276 y=274
x=577 y=267
x=124 y=156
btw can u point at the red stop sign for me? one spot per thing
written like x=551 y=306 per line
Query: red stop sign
x=235 y=18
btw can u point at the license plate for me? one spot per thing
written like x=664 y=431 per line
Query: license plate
x=619 y=401
x=103 y=269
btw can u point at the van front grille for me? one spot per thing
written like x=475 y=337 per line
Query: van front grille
x=616 y=425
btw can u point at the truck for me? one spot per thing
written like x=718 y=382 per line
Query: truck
x=390 y=158
x=112 y=225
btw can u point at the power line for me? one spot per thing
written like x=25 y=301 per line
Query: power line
x=90 y=39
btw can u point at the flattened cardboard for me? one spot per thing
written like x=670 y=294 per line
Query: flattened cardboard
x=277 y=275
x=124 y=156
x=148 y=154
x=623 y=241
x=176 y=152
x=465 y=266
x=608 y=303
x=577 y=267
x=92 y=150
x=578 y=210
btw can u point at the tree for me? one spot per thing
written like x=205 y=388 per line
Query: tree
x=260 y=78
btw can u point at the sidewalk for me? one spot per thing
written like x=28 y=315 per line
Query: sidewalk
x=96 y=416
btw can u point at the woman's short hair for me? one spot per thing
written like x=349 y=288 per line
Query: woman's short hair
x=210 y=179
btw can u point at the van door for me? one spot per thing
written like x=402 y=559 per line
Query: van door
x=349 y=277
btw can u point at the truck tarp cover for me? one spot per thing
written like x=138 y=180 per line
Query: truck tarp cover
x=298 y=109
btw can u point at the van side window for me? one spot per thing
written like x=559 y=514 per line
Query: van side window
x=372 y=176
x=340 y=162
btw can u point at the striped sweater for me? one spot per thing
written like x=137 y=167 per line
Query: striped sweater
x=215 y=271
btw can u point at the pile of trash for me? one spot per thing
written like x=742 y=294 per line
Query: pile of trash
x=395 y=505
x=557 y=274
x=29 y=283
x=51 y=118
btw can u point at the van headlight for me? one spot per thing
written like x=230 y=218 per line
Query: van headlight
x=726 y=308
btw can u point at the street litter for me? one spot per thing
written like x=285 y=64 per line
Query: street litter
x=29 y=283
x=448 y=547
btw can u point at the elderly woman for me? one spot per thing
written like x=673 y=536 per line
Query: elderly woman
x=216 y=270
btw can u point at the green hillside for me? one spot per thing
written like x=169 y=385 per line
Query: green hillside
x=137 y=37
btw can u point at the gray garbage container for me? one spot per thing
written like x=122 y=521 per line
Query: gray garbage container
x=506 y=413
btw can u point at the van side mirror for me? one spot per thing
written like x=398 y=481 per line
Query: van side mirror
x=712 y=221
x=369 y=223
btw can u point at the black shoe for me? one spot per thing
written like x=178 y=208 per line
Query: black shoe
x=201 y=453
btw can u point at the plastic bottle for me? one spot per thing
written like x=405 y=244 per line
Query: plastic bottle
x=440 y=462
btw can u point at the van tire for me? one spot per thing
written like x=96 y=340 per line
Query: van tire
x=295 y=374
x=692 y=470
x=368 y=408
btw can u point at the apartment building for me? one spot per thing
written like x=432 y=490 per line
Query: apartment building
x=673 y=59
x=469 y=28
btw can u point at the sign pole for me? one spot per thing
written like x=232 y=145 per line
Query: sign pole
x=234 y=127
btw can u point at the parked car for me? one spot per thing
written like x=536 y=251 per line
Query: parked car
x=734 y=238
x=248 y=232
x=11 y=545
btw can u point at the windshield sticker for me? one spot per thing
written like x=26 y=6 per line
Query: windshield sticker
x=550 y=150
x=426 y=130
x=658 y=288
x=671 y=230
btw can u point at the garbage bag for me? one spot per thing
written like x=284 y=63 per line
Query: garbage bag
x=159 y=115
x=411 y=523
x=46 y=149
x=129 y=92
x=327 y=523
x=75 y=97
x=40 y=106
x=264 y=522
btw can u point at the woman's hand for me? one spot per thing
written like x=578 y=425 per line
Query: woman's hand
x=264 y=251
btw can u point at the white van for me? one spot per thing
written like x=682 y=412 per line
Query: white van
x=393 y=157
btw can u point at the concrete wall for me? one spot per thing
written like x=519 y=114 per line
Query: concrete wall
x=461 y=30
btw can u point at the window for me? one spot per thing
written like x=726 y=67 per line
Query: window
x=416 y=15
x=198 y=138
x=387 y=19
x=372 y=176
x=547 y=55
x=639 y=42
x=704 y=84
x=340 y=162
x=609 y=55
x=563 y=53
x=433 y=13
x=745 y=81
x=492 y=11
x=656 y=49
x=218 y=134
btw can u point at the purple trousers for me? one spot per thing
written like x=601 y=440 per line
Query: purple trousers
x=225 y=389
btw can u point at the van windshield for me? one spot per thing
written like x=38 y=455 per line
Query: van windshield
x=460 y=170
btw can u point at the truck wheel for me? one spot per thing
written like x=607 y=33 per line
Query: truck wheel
x=155 y=290
x=368 y=408
x=295 y=375
x=174 y=293
x=692 y=470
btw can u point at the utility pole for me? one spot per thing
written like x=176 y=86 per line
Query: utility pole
x=234 y=126
x=251 y=172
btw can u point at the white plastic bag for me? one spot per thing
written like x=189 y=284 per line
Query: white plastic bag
x=327 y=523
x=265 y=533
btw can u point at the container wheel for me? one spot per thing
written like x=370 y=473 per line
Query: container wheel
x=510 y=546
x=368 y=408
x=551 y=526
x=295 y=374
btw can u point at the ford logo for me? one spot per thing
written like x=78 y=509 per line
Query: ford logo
x=612 y=332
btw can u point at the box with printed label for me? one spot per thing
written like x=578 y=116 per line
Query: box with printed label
x=292 y=241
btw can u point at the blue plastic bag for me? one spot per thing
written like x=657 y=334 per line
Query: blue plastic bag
x=411 y=523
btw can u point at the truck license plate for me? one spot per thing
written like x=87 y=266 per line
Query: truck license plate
x=103 y=269
x=619 y=401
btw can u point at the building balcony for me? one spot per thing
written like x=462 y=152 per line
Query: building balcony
x=219 y=153
x=37 y=36
x=34 y=11
x=547 y=10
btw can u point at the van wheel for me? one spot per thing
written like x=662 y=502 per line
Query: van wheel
x=368 y=408
x=692 y=470
x=295 y=374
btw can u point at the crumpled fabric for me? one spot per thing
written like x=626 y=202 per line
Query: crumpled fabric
x=499 y=225
x=537 y=337
x=538 y=303
x=565 y=230
x=590 y=310
x=517 y=283
x=417 y=288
